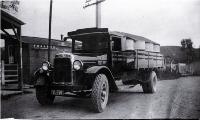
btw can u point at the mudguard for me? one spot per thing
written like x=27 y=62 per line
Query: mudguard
x=105 y=70
x=40 y=81
x=40 y=78
x=95 y=69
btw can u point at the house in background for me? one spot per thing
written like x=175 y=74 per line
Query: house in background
x=176 y=59
x=173 y=53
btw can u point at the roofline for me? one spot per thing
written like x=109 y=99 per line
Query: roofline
x=36 y=37
x=42 y=38
x=4 y=13
x=117 y=33
x=89 y=33
x=86 y=31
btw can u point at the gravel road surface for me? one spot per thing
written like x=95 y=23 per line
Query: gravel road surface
x=179 y=98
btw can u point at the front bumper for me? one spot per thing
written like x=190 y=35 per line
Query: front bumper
x=67 y=87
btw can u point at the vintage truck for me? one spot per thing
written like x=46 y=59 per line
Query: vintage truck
x=99 y=58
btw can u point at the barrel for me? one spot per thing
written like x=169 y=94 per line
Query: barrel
x=139 y=45
x=129 y=44
x=149 y=46
x=156 y=48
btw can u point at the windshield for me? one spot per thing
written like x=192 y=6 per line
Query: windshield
x=90 y=43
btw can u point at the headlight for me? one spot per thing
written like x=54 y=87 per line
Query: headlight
x=77 y=65
x=45 y=66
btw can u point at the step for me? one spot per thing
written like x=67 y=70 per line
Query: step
x=8 y=93
x=10 y=70
x=11 y=81
x=6 y=76
x=10 y=86
x=10 y=65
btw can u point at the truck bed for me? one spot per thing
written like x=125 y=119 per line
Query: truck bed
x=147 y=59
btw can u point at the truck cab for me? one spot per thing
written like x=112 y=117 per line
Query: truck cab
x=99 y=58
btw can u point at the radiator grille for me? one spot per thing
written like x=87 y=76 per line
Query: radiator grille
x=62 y=70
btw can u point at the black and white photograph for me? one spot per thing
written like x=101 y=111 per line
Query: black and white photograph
x=100 y=59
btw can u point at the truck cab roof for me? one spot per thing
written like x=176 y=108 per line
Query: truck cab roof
x=88 y=31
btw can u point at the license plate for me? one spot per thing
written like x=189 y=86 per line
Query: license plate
x=57 y=92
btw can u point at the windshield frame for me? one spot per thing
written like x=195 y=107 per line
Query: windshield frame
x=105 y=37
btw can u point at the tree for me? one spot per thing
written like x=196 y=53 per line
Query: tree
x=10 y=5
x=187 y=46
x=187 y=43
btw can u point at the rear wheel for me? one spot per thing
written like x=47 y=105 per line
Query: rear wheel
x=150 y=86
x=100 y=92
x=43 y=95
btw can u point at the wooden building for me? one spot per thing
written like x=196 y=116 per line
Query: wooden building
x=11 y=68
x=20 y=55
x=34 y=52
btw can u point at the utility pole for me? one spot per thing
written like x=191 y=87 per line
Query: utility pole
x=98 y=10
x=50 y=19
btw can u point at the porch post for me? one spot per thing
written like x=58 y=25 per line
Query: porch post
x=20 y=84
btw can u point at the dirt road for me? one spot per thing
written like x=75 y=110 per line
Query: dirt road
x=178 y=98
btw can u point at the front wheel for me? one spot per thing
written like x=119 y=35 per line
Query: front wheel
x=100 y=92
x=43 y=94
x=150 y=86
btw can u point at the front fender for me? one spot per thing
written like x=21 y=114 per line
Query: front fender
x=105 y=70
x=95 y=69
x=41 y=81
x=40 y=78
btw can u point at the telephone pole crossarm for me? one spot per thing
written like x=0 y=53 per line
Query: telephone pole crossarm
x=95 y=3
x=98 y=10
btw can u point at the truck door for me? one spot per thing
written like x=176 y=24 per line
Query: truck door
x=117 y=55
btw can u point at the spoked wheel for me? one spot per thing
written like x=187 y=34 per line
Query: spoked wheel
x=150 y=86
x=104 y=94
x=100 y=92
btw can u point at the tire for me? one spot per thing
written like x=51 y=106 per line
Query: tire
x=43 y=95
x=150 y=86
x=100 y=92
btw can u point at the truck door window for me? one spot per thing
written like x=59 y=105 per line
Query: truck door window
x=116 y=44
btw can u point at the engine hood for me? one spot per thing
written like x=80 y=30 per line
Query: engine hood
x=84 y=57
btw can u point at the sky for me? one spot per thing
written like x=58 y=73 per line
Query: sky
x=164 y=21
